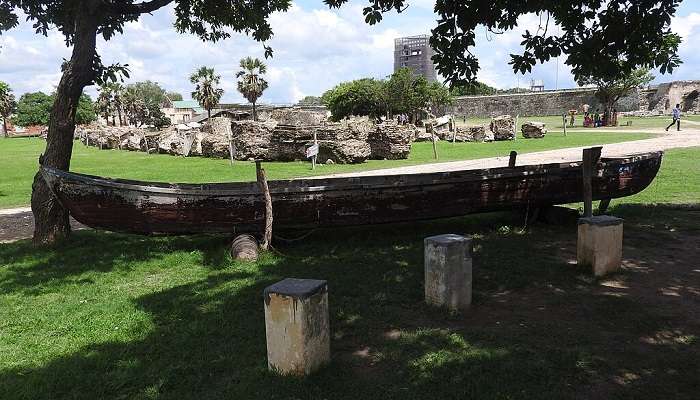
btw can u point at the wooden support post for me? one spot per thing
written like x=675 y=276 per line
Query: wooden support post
x=262 y=183
x=297 y=328
x=511 y=161
x=230 y=146
x=313 y=159
x=432 y=137
x=590 y=160
x=563 y=117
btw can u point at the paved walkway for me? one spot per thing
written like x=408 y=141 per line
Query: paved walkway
x=665 y=140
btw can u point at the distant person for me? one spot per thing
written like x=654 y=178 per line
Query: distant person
x=596 y=118
x=676 y=118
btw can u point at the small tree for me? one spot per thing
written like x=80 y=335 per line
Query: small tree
x=33 y=109
x=473 y=89
x=250 y=82
x=610 y=91
x=310 y=101
x=103 y=105
x=86 y=110
x=206 y=91
x=174 y=96
x=362 y=97
x=7 y=105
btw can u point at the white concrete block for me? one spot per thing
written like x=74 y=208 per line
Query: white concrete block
x=600 y=244
x=448 y=271
x=297 y=326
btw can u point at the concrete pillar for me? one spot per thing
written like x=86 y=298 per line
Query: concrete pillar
x=448 y=271
x=600 y=243
x=296 y=326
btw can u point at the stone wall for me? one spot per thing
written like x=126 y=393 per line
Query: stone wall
x=659 y=99
x=554 y=102
x=662 y=98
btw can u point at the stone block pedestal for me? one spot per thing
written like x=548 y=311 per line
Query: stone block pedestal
x=448 y=271
x=296 y=326
x=600 y=244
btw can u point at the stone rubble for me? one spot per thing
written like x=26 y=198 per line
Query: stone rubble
x=534 y=130
x=503 y=127
x=285 y=136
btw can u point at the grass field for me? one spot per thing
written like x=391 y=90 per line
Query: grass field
x=19 y=161
x=111 y=316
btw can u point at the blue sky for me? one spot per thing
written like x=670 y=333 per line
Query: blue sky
x=315 y=48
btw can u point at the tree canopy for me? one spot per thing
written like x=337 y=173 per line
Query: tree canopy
x=35 y=109
x=472 y=89
x=611 y=91
x=7 y=104
x=206 y=90
x=310 y=101
x=403 y=93
x=251 y=84
x=174 y=96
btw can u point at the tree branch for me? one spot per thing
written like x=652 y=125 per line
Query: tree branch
x=137 y=8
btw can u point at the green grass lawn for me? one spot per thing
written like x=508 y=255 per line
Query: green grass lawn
x=111 y=316
x=19 y=161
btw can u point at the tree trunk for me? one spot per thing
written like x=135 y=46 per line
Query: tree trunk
x=50 y=218
x=119 y=112
x=4 y=127
x=255 y=115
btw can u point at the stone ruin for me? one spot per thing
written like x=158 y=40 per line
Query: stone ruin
x=534 y=130
x=283 y=136
x=500 y=128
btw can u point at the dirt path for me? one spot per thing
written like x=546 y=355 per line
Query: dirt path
x=18 y=223
x=665 y=141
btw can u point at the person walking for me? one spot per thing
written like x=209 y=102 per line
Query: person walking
x=676 y=118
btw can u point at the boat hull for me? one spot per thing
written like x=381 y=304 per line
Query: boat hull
x=160 y=208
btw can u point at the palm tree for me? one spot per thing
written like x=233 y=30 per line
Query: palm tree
x=129 y=100
x=206 y=91
x=118 y=99
x=250 y=83
x=7 y=104
x=105 y=102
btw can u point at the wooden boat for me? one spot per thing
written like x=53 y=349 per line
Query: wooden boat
x=164 y=208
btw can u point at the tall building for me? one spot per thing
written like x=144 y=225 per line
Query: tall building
x=415 y=52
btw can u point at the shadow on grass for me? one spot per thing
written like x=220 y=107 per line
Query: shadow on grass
x=539 y=328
